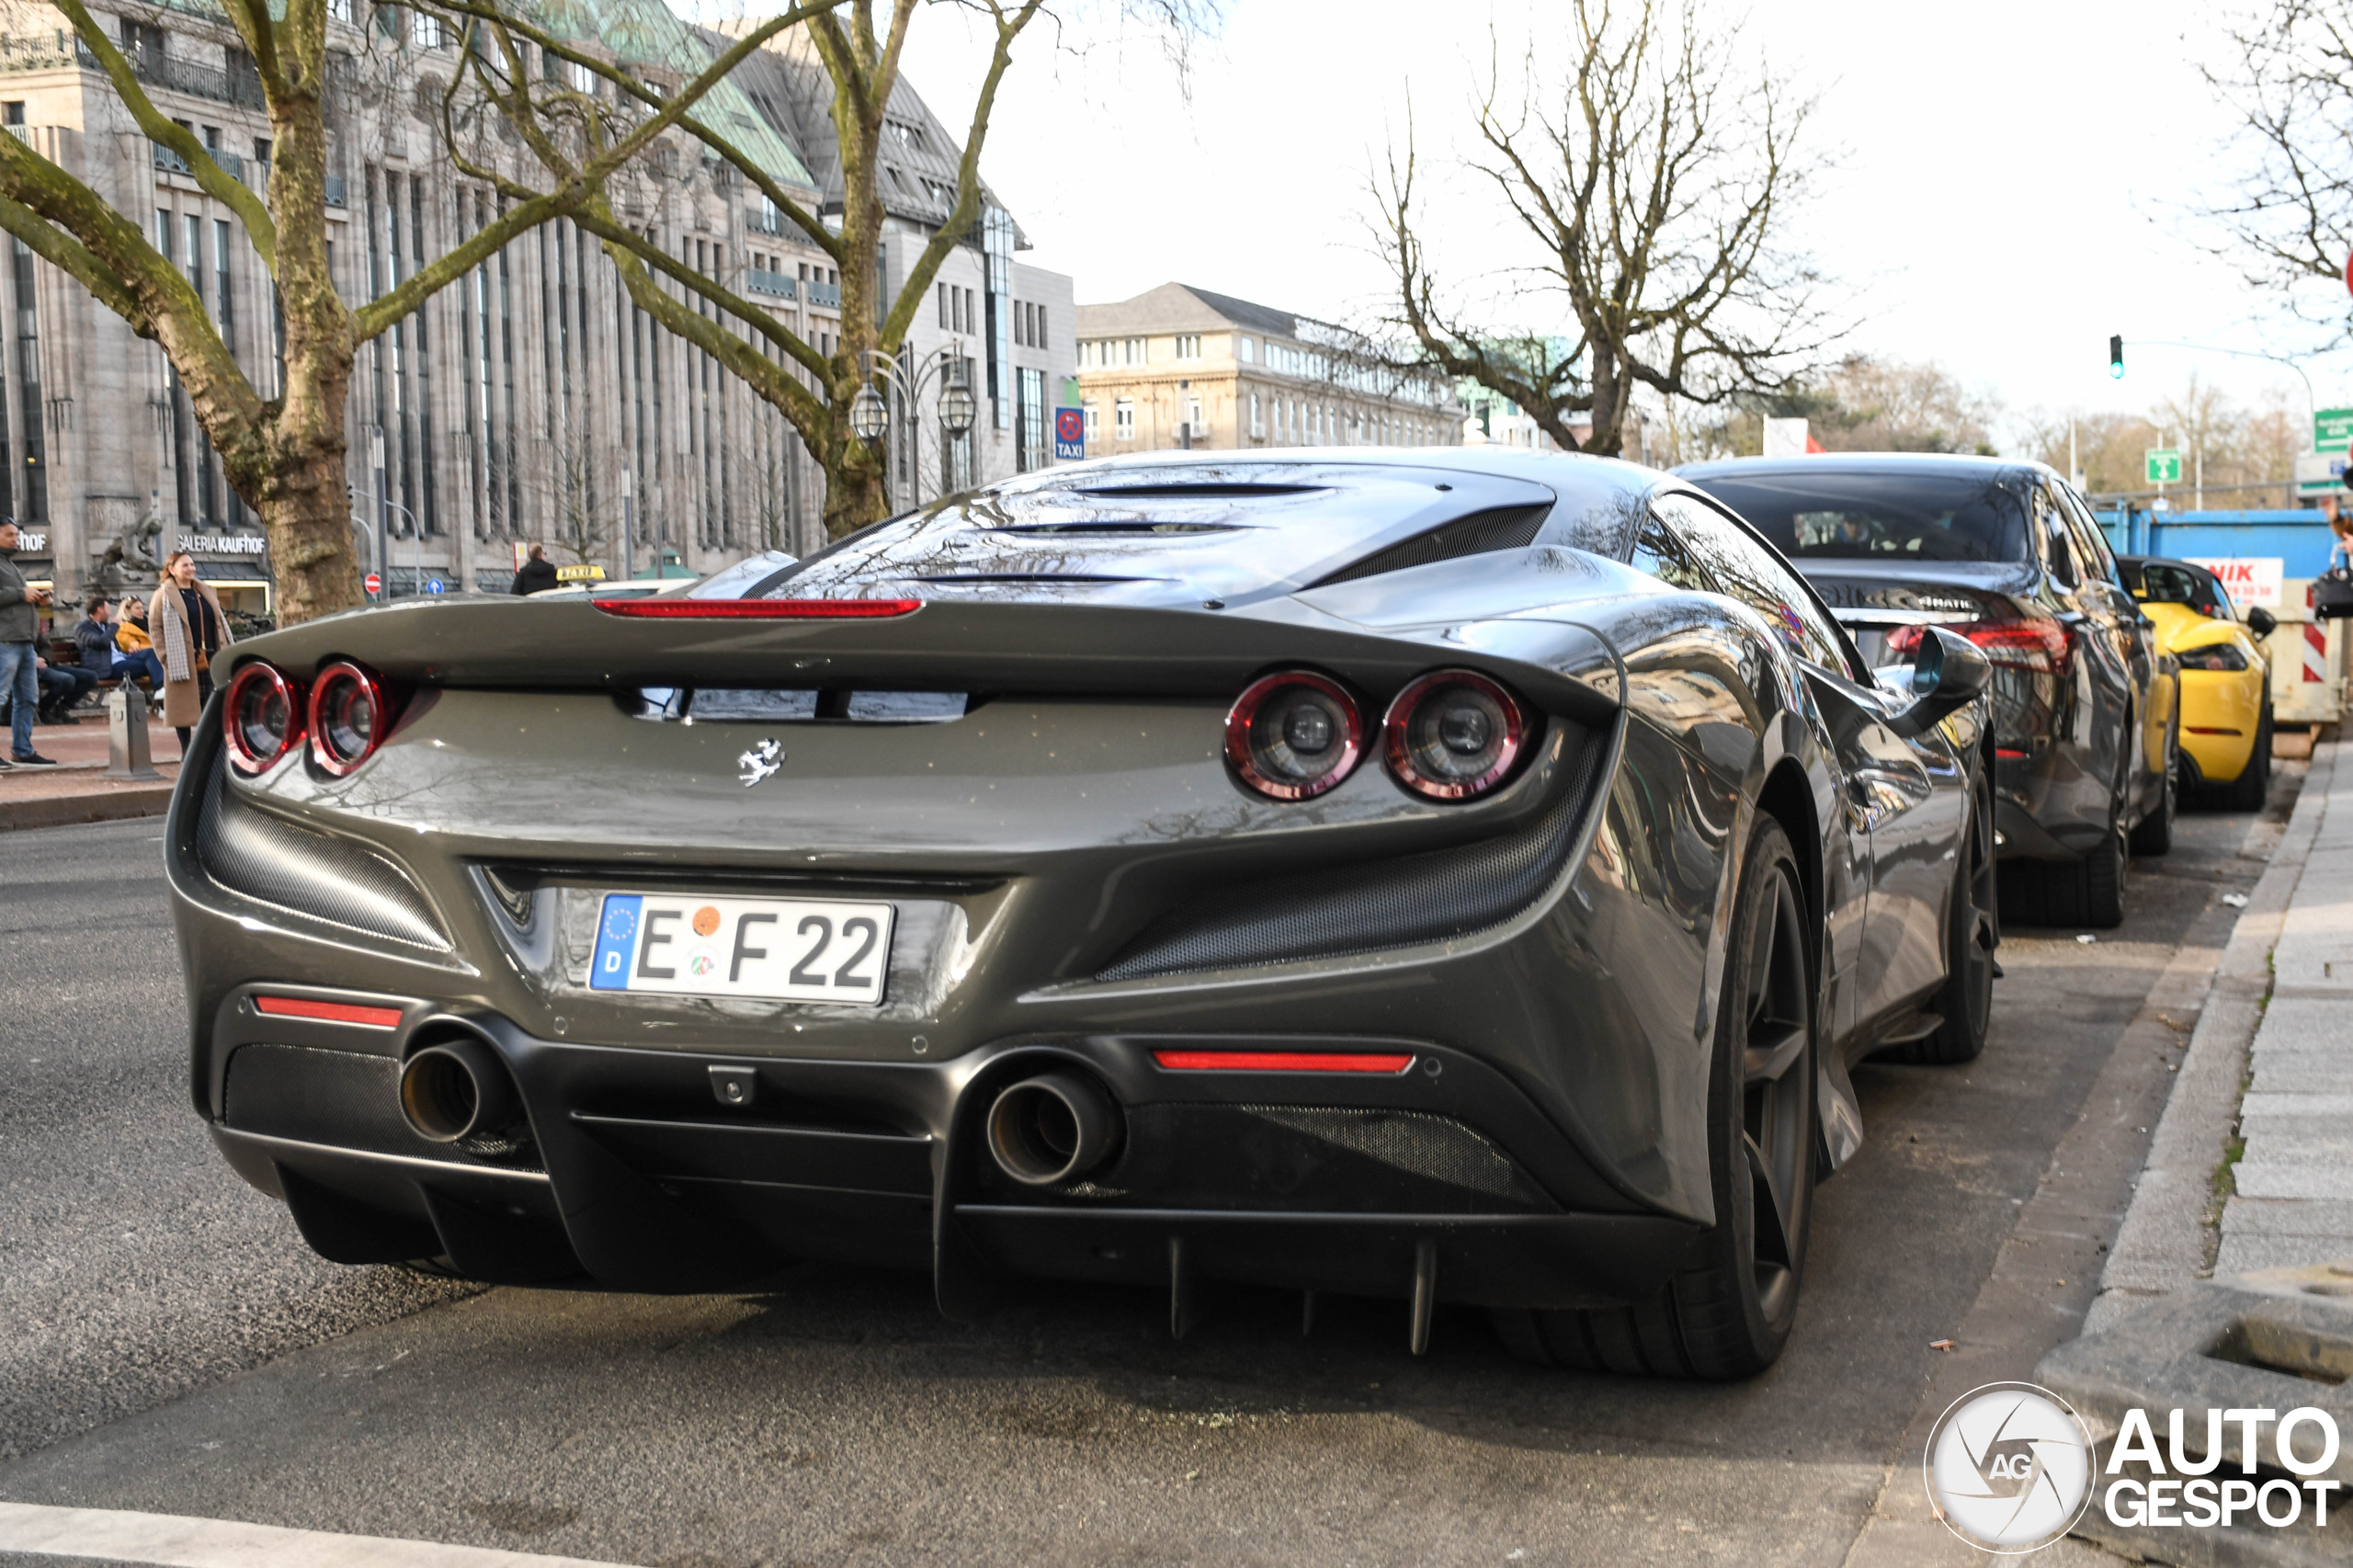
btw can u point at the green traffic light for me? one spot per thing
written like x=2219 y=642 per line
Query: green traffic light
x=2116 y=357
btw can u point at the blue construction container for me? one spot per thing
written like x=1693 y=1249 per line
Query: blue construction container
x=2300 y=538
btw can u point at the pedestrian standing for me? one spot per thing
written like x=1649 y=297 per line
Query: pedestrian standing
x=535 y=575
x=185 y=619
x=20 y=607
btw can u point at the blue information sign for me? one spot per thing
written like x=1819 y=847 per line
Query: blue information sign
x=1070 y=435
x=433 y=584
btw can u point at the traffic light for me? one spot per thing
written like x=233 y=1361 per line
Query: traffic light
x=2116 y=357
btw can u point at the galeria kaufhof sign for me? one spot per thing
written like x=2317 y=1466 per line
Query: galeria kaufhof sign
x=250 y=546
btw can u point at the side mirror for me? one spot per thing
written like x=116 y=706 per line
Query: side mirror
x=1950 y=673
x=2261 y=621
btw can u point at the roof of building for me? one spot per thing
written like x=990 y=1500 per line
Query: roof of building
x=1182 y=307
x=919 y=162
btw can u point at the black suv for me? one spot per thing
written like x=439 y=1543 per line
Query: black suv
x=2006 y=553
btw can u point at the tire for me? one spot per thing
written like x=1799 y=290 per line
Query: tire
x=1973 y=931
x=2253 y=786
x=2100 y=877
x=1728 y=1313
x=2154 y=835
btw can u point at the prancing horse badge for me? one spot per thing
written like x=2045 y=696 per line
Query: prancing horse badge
x=760 y=761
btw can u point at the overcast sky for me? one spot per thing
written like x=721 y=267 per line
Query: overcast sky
x=2002 y=203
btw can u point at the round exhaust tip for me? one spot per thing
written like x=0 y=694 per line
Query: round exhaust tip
x=457 y=1090
x=1052 y=1127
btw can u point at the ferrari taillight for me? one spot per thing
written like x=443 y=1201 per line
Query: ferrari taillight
x=1454 y=735
x=261 y=715
x=349 y=717
x=1293 y=736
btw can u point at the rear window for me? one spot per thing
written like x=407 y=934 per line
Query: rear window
x=2167 y=583
x=1852 y=516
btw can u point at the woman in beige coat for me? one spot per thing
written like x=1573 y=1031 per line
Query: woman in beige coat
x=190 y=630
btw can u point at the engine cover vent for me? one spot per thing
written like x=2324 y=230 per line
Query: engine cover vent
x=1499 y=528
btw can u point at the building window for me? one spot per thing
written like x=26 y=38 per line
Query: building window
x=1257 y=422
x=1094 y=417
x=1123 y=419
x=1247 y=349
x=1031 y=452
x=1188 y=346
x=943 y=307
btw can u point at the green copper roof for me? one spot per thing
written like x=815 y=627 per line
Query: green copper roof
x=649 y=32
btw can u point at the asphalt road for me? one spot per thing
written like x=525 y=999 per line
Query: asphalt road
x=836 y=1419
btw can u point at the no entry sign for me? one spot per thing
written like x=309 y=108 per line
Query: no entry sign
x=373 y=582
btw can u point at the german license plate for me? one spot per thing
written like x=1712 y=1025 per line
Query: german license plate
x=783 y=949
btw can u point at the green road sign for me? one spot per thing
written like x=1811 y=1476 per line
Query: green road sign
x=2165 y=465
x=2332 y=430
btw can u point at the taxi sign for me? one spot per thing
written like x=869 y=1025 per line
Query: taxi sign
x=590 y=573
x=1070 y=435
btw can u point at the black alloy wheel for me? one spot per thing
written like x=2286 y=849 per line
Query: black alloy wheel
x=1972 y=932
x=1728 y=1315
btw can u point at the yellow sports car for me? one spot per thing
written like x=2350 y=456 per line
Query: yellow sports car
x=2225 y=680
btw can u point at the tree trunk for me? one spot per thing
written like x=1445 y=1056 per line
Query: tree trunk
x=306 y=506
x=855 y=492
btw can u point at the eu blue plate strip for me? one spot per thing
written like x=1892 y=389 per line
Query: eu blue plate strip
x=616 y=942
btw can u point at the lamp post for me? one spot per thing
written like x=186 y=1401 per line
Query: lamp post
x=869 y=412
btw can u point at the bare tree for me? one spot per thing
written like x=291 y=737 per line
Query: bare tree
x=858 y=47
x=2288 y=217
x=1654 y=193
x=281 y=446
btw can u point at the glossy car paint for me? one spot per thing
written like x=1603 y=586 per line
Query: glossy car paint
x=2076 y=751
x=1061 y=857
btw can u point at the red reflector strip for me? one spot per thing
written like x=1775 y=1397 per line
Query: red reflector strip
x=758 y=609
x=1284 y=1061
x=328 y=1012
x=2201 y=729
x=2009 y=751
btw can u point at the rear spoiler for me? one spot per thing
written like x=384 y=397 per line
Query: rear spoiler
x=1075 y=650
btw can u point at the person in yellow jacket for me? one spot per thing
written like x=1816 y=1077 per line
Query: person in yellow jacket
x=131 y=631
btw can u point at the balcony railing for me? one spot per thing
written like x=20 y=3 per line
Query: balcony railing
x=335 y=190
x=168 y=160
x=781 y=285
x=826 y=296
x=760 y=222
x=58 y=48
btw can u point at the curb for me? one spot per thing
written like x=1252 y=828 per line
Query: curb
x=67 y=810
x=2164 y=1244
x=2272 y=1341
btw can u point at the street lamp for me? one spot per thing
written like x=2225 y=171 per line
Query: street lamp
x=957 y=409
x=869 y=416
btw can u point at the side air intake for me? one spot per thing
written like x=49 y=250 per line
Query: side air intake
x=1499 y=528
x=270 y=861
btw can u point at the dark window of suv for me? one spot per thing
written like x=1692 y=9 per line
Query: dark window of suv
x=1847 y=514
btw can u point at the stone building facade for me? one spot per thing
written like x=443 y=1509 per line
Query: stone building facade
x=1180 y=367
x=531 y=401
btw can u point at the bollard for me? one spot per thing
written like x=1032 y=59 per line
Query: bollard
x=128 y=754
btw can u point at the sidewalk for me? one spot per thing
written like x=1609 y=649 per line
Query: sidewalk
x=75 y=793
x=2273 y=1164
x=2291 y=1190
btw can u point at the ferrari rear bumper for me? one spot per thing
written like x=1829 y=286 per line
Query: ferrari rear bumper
x=669 y=1170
